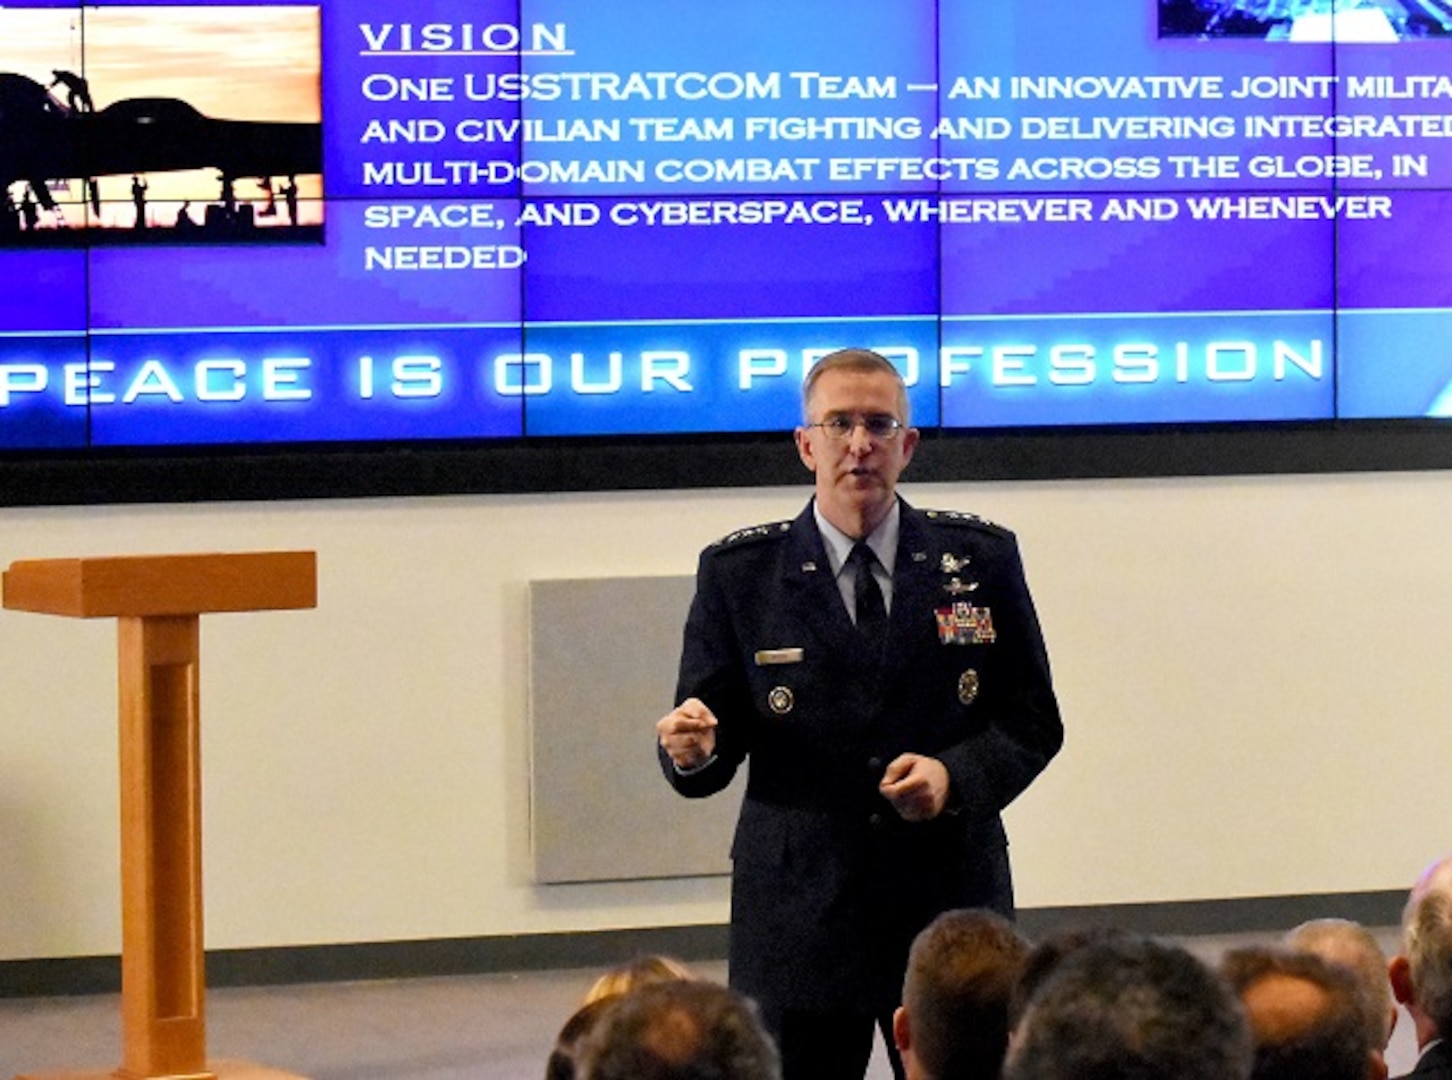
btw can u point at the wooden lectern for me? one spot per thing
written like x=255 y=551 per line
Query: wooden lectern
x=159 y=601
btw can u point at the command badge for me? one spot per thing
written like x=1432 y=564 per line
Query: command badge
x=968 y=686
x=780 y=700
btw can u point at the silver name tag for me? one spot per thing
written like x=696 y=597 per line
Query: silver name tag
x=767 y=657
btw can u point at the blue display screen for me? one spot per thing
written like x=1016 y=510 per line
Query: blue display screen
x=354 y=220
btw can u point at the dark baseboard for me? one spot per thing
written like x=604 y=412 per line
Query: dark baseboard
x=1242 y=915
x=288 y=964
x=605 y=948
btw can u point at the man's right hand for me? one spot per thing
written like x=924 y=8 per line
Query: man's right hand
x=688 y=733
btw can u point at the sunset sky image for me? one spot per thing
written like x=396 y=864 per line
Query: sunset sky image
x=230 y=63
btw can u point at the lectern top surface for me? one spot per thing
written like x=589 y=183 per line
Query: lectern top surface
x=130 y=585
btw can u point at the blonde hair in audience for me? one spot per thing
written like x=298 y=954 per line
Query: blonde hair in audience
x=642 y=971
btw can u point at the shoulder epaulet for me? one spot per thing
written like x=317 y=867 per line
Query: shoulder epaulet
x=962 y=517
x=753 y=533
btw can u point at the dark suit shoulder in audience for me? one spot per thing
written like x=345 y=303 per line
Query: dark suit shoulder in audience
x=1434 y=1064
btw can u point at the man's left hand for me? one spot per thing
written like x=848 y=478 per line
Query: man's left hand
x=917 y=786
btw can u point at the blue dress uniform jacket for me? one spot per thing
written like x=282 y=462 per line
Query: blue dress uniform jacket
x=829 y=884
x=1435 y=1063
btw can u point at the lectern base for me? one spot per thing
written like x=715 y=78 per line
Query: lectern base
x=221 y=1070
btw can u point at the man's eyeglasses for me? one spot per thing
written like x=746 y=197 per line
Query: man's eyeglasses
x=877 y=425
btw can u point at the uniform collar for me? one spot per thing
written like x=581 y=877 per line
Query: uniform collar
x=882 y=540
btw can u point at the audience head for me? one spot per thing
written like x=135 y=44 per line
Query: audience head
x=1048 y=953
x=679 y=1030
x=1421 y=975
x=1355 y=948
x=1307 y=1016
x=563 y=1061
x=953 y=1023
x=639 y=972
x=1135 y=1008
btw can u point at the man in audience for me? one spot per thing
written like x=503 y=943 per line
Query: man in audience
x=1048 y=953
x=603 y=992
x=563 y=1062
x=1134 y=1008
x=1355 y=948
x=1421 y=974
x=1307 y=1016
x=953 y=1021
x=681 y=1029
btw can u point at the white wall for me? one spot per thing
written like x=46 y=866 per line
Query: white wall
x=1252 y=674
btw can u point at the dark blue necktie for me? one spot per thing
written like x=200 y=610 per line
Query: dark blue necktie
x=867 y=595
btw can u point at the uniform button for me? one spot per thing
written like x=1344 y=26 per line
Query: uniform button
x=874 y=820
x=874 y=764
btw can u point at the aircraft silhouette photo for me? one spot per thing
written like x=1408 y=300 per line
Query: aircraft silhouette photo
x=193 y=177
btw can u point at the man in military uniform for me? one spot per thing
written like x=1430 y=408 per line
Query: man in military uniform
x=883 y=669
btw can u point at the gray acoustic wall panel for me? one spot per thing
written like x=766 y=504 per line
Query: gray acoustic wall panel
x=603 y=658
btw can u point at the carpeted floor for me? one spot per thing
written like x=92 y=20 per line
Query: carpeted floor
x=499 y=1027
x=482 y=1027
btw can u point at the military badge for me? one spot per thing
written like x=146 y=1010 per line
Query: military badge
x=968 y=687
x=780 y=700
x=964 y=624
x=951 y=564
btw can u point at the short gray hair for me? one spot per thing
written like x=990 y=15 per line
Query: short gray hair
x=863 y=360
x=1427 y=944
x=1354 y=947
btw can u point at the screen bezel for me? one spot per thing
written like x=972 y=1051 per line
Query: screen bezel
x=686 y=462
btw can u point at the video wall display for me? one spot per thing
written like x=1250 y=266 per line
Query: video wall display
x=347 y=221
